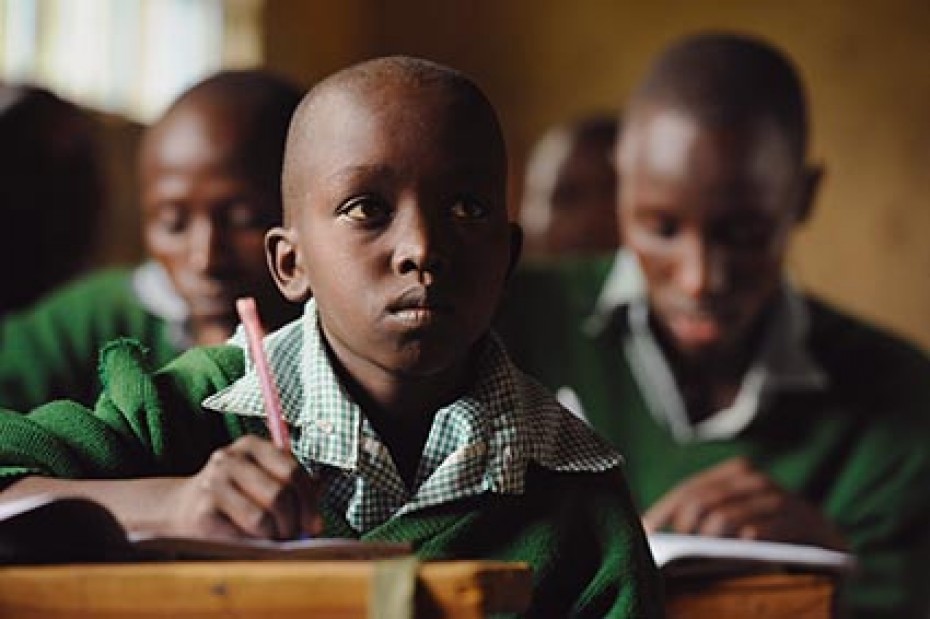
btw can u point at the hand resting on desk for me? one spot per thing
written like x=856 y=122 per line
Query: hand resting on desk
x=248 y=489
x=735 y=499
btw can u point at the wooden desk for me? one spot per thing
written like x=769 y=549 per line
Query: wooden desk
x=768 y=596
x=291 y=589
x=266 y=589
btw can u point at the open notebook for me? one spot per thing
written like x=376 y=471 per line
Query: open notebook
x=678 y=554
x=49 y=529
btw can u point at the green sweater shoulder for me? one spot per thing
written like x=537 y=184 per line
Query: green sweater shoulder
x=545 y=310
x=145 y=423
x=50 y=351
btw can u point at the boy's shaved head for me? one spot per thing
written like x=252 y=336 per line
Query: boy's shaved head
x=372 y=82
x=728 y=80
x=248 y=111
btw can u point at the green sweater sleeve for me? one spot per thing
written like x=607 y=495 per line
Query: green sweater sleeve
x=50 y=351
x=145 y=423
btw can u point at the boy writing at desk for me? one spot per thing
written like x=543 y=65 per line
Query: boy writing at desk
x=407 y=420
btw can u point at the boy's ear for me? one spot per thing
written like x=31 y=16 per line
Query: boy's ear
x=286 y=264
x=516 y=247
x=813 y=176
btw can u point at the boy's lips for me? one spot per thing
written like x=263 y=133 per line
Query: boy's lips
x=696 y=329
x=419 y=307
x=702 y=325
x=219 y=305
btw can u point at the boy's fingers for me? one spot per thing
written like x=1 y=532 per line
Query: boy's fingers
x=746 y=512
x=309 y=491
x=252 y=497
x=277 y=462
x=285 y=496
x=226 y=500
x=659 y=515
x=687 y=505
x=297 y=509
x=196 y=509
x=682 y=506
x=272 y=496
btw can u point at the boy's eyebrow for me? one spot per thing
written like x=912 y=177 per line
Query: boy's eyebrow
x=353 y=171
x=386 y=172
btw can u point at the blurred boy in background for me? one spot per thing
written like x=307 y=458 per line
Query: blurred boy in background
x=209 y=170
x=744 y=407
x=570 y=190
x=51 y=196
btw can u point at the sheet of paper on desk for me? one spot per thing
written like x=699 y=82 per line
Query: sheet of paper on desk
x=50 y=529
x=695 y=553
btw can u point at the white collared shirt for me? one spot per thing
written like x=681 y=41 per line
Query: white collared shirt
x=782 y=364
x=157 y=295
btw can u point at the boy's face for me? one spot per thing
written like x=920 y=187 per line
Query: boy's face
x=399 y=225
x=205 y=220
x=573 y=190
x=709 y=214
x=583 y=201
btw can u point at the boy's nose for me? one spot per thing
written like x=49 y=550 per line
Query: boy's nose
x=701 y=269
x=420 y=245
x=207 y=251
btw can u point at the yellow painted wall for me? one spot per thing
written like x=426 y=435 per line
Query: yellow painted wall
x=867 y=64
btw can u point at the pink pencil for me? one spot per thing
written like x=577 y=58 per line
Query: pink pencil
x=255 y=335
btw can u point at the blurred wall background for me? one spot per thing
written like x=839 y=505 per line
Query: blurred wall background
x=866 y=63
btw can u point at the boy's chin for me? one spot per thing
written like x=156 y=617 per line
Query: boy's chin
x=212 y=331
x=419 y=360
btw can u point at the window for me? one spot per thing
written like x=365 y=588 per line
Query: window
x=130 y=57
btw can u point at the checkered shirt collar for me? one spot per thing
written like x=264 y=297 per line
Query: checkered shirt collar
x=482 y=442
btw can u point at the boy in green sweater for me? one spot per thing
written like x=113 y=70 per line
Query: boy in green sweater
x=407 y=419
x=743 y=407
x=570 y=190
x=209 y=172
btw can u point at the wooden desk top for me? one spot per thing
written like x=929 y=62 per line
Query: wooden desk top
x=266 y=589
x=291 y=589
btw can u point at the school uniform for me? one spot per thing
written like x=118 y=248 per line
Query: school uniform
x=50 y=351
x=832 y=409
x=506 y=472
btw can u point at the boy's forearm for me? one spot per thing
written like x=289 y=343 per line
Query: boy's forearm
x=139 y=504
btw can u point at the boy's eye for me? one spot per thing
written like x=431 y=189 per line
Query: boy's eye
x=468 y=208
x=242 y=215
x=663 y=226
x=748 y=234
x=365 y=209
x=170 y=218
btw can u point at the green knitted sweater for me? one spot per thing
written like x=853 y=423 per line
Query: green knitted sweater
x=579 y=531
x=860 y=449
x=50 y=350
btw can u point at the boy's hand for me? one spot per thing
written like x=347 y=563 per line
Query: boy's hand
x=247 y=489
x=734 y=499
